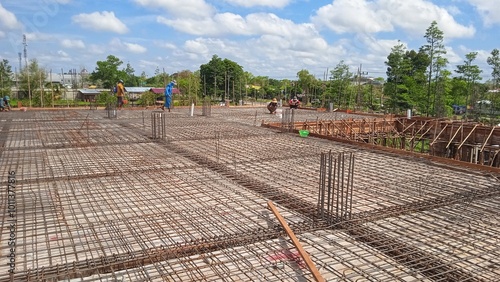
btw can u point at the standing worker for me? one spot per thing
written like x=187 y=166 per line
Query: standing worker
x=168 y=95
x=120 y=93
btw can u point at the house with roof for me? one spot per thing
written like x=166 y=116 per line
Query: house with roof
x=88 y=94
x=133 y=93
x=161 y=90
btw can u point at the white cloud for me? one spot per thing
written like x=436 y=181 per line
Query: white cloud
x=117 y=45
x=8 y=19
x=353 y=16
x=181 y=8
x=196 y=46
x=96 y=49
x=166 y=45
x=453 y=57
x=68 y=43
x=38 y=36
x=203 y=26
x=62 y=53
x=416 y=16
x=253 y=3
x=489 y=11
x=361 y=16
x=100 y=21
x=251 y=25
x=135 y=48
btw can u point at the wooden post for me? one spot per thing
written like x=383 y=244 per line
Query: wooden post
x=297 y=244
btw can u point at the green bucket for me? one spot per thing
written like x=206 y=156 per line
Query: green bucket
x=303 y=133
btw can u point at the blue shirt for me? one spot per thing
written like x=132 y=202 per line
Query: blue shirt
x=168 y=89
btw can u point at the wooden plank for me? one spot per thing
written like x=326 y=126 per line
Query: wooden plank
x=487 y=139
x=302 y=252
x=455 y=135
x=470 y=133
x=436 y=138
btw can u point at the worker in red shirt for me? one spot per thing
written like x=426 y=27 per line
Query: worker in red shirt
x=294 y=103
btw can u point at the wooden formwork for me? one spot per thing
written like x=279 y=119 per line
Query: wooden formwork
x=463 y=141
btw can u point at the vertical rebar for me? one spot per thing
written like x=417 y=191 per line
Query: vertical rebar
x=217 y=137
x=111 y=108
x=158 y=126
x=329 y=166
x=321 y=193
x=335 y=187
x=287 y=121
x=351 y=182
x=207 y=107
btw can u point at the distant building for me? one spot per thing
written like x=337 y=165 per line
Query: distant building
x=175 y=91
x=88 y=95
x=133 y=93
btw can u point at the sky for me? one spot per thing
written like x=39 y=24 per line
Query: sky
x=273 y=38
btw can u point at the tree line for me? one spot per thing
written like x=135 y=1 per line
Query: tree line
x=420 y=80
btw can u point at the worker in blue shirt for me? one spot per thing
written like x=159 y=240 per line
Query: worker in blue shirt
x=6 y=102
x=168 y=95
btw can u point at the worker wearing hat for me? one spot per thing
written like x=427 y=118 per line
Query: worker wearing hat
x=120 y=93
x=272 y=106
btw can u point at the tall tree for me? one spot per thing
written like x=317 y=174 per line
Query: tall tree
x=494 y=62
x=340 y=78
x=212 y=76
x=131 y=79
x=107 y=72
x=396 y=68
x=441 y=87
x=5 y=78
x=219 y=77
x=470 y=73
x=306 y=81
x=233 y=76
x=435 y=50
x=32 y=80
x=415 y=78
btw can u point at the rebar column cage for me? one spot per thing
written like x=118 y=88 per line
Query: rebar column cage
x=111 y=110
x=158 y=128
x=288 y=120
x=207 y=107
x=335 y=187
x=93 y=105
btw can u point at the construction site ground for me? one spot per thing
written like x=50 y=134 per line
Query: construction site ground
x=89 y=198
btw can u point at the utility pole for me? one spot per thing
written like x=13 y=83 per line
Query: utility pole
x=20 y=64
x=27 y=67
x=359 y=99
x=204 y=86
x=51 y=88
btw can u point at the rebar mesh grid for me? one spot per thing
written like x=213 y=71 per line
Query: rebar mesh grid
x=99 y=199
